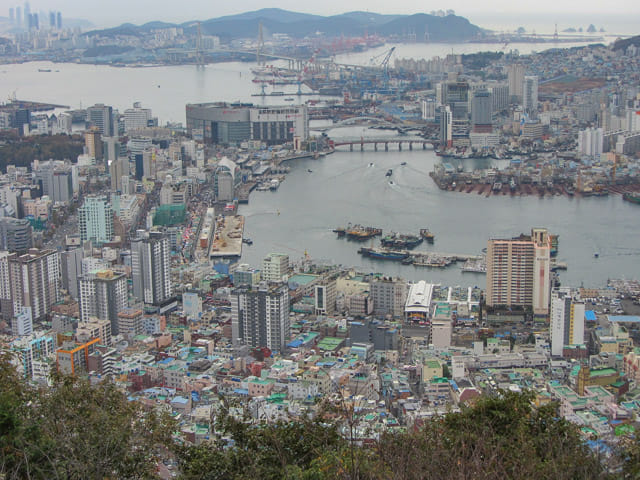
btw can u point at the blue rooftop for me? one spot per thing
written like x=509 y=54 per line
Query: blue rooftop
x=590 y=315
x=624 y=318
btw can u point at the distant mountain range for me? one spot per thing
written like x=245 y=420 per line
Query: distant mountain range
x=275 y=20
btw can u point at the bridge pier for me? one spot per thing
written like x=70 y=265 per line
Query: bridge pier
x=375 y=146
x=410 y=145
x=362 y=146
x=351 y=147
x=386 y=146
x=400 y=146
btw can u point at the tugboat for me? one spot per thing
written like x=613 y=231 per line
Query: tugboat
x=389 y=173
x=427 y=235
x=247 y=241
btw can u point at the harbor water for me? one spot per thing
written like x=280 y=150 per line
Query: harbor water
x=344 y=187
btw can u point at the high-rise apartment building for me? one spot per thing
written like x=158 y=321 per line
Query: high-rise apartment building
x=260 y=316
x=22 y=323
x=515 y=77
x=591 y=142
x=151 y=268
x=446 y=126
x=71 y=269
x=103 y=295
x=518 y=272
x=29 y=280
x=567 y=321
x=15 y=234
x=275 y=267
x=101 y=117
x=530 y=95
x=95 y=220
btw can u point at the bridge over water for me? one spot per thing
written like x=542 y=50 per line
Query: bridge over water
x=409 y=141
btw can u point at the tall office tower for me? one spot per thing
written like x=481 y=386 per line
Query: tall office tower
x=101 y=117
x=149 y=163
x=530 y=95
x=446 y=126
x=260 y=316
x=93 y=143
x=103 y=295
x=118 y=169
x=481 y=110
x=12 y=18
x=71 y=269
x=111 y=148
x=95 y=219
x=389 y=296
x=59 y=21
x=499 y=97
x=515 y=77
x=19 y=17
x=518 y=272
x=34 y=22
x=22 y=120
x=15 y=234
x=275 y=266
x=151 y=268
x=27 y=14
x=136 y=117
x=55 y=181
x=52 y=19
x=29 y=280
x=567 y=321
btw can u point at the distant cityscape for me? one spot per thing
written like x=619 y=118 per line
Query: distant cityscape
x=122 y=236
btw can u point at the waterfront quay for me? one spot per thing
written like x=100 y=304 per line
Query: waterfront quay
x=227 y=239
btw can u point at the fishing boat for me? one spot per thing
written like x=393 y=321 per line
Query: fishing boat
x=631 y=197
x=399 y=240
x=383 y=253
x=427 y=235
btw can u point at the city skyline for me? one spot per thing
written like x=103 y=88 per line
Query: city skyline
x=489 y=16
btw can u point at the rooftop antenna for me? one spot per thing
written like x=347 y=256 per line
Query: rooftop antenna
x=555 y=34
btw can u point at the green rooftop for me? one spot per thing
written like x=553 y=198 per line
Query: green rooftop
x=602 y=372
x=330 y=343
x=302 y=279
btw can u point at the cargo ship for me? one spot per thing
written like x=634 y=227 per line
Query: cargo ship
x=399 y=240
x=631 y=197
x=383 y=253
x=427 y=235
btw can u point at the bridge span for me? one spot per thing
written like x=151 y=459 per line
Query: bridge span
x=384 y=141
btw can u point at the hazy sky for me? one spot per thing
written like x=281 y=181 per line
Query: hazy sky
x=114 y=12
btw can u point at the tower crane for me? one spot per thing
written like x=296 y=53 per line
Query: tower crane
x=385 y=64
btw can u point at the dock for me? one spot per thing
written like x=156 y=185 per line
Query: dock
x=227 y=239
